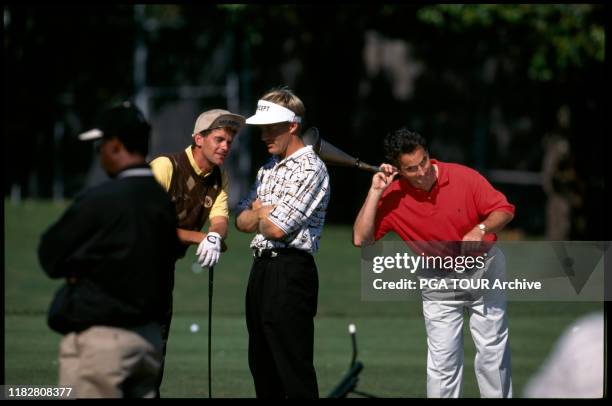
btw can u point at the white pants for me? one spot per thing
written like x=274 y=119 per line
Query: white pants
x=489 y=329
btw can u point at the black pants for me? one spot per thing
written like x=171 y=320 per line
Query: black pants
x=281 y=302
x=165 y=333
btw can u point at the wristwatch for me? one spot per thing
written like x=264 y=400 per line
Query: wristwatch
x=482 y=228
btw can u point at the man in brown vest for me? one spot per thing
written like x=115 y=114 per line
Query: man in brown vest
x=199 y=189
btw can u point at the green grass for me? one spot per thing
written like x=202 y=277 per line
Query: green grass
x=391 y=336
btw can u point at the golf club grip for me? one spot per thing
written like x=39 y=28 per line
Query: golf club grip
x=366 y=167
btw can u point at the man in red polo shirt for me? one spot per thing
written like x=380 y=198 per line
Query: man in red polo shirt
x=438 y=201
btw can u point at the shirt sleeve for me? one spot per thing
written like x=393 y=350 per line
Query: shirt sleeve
x=295 y=207
x=69 y=237
x=245 y=203
x=488 y=199
x=220 y=207
x=162 y=170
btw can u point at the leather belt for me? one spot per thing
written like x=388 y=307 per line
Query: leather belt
x=275 y=252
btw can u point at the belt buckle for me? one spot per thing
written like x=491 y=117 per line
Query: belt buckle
x=261 y=253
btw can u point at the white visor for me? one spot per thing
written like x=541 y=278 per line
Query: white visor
x=271 y=113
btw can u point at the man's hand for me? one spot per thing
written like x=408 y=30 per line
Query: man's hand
x=472 y=241
x=256 y=205
x=263 y=212
x=363 y=229
x=209 y=250
x=248 y=220
x=266 y=227
x=382 y=180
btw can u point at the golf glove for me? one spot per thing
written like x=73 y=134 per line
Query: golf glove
x=209 y=250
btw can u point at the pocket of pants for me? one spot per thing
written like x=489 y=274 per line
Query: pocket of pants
x=100 y=351
x=301 y=286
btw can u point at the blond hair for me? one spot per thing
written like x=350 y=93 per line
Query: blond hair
x=283 y=96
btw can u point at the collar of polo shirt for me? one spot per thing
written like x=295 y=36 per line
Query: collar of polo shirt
x=271 y=113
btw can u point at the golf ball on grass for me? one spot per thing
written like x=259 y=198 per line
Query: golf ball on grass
x=194 y=328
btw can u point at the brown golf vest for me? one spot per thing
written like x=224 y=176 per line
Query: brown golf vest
x=192 y=195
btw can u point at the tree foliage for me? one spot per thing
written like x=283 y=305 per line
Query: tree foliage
x=486 y=80
x=563 y=35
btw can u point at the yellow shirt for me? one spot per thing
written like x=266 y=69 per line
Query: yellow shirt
x=162 y=170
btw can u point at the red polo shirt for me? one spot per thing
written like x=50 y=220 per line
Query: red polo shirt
x=460 y=199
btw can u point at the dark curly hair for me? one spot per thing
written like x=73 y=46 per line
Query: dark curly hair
x=402 y=141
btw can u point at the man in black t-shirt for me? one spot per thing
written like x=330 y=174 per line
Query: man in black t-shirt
x=116 y=248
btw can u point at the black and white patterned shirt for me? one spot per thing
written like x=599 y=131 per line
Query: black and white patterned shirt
x=299 y=188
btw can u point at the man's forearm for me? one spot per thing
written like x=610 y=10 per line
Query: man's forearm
x=50 y=258
x=270 y=230
x=497 y=220
x=189 y=236
x=363 y=229
x=219 y=225
x=247 y=221
x=195 y=237
x=252 y=221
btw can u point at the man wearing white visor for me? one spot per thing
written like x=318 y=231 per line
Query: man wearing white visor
x=286 y=211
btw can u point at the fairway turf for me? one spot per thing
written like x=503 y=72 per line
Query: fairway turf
x=390 y=335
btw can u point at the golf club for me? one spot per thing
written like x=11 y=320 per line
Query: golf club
x=352 y=329
x=211 y=271
x=332 y=155
x=351 y=378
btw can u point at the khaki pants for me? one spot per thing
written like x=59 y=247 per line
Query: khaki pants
x=111 y=362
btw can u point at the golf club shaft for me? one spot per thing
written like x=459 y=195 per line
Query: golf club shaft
x=211 y=272
x=366 y=167
x=354 y=341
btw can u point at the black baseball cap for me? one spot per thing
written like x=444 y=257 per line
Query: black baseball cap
x=124 y=121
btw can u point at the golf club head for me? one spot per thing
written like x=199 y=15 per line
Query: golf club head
x=332 y=155
x=348 y=383
x=312 y=137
